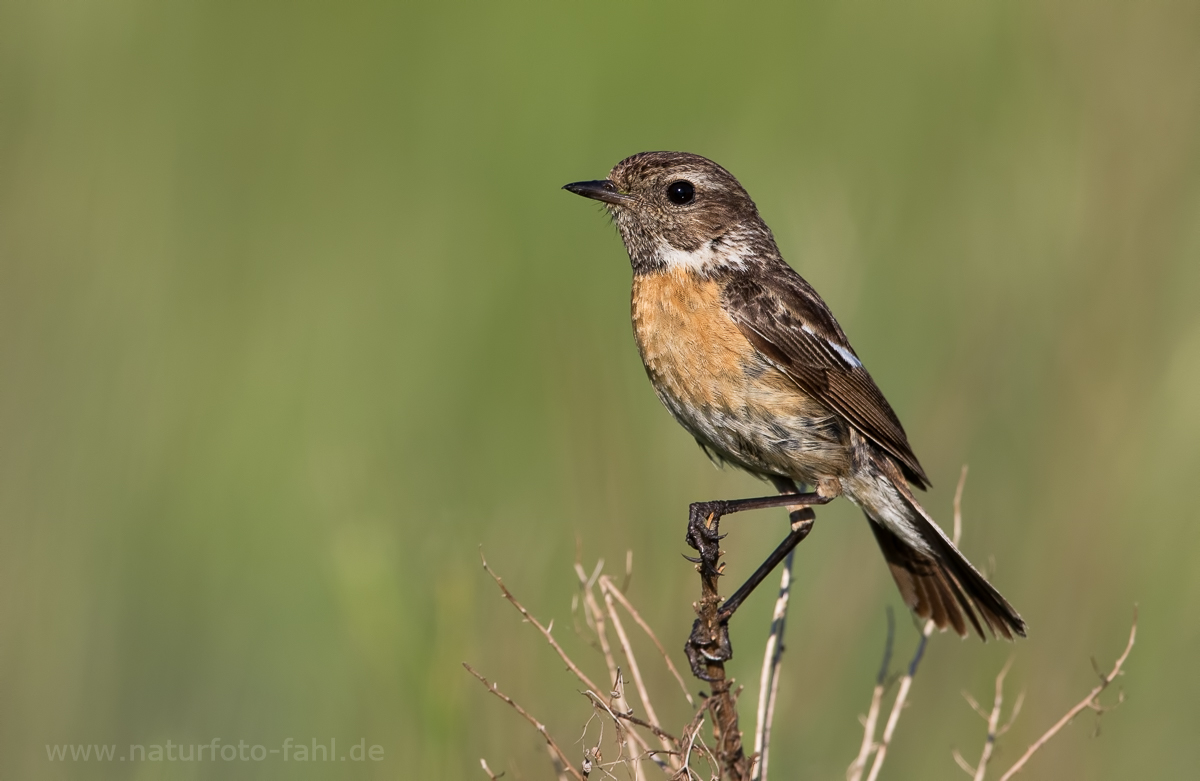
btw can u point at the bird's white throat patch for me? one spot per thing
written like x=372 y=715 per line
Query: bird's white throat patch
x=704 y=258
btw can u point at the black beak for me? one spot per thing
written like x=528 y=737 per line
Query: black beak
x=602 y=190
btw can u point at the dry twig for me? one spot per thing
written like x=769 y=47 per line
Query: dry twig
x=855 y=771
x=617 y=696
x=993 y=722
x=574 y=668
x=595 y=619
x=627 y=649
x=554 y=749
x=1089 y=701
x=614 y=706
x=906 y=682
x=607 y=586
x=898 y=705
x=768 y=685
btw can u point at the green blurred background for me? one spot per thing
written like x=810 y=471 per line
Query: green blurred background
x=294 y=317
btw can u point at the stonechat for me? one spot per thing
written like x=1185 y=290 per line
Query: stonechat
x=749 y=359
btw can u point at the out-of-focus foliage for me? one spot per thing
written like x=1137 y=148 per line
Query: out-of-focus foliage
x=294 y=317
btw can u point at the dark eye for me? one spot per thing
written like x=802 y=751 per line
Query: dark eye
x=681 y=192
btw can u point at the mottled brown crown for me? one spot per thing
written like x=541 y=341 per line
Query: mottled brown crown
x=721 y=219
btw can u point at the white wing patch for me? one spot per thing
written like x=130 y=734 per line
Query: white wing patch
x=847 y=356
x=850 y=358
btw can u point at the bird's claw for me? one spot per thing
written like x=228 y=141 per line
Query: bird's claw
x=704 y=646
x=704 y=521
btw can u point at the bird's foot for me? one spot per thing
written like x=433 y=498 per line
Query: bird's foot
x=708 y=644
x=703 y=534
x=704 y=518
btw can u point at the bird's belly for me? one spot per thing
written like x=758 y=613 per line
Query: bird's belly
x=719 y=388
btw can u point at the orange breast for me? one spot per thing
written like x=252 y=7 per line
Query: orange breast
x=692 y=350
x=720 y=388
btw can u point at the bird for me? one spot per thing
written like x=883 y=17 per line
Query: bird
x=750 y=360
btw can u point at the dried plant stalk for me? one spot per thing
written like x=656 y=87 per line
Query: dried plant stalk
x=1087 y=702
x=541 y=728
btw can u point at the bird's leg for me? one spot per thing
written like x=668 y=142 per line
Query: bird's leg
x=704 y=519
x=708 y=647
x=802 y=523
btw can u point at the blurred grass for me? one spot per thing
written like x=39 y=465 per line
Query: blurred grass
x=293 y=317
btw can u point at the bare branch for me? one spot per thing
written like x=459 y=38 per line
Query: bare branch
x=554 y=749
x=906 y=681
x=768 y=685
x=574 y=668
x=855 y=771
x=1016 y=711
x=629 y=717
x=897 y=706
x=993 y=720
x=607 y=586
x=627 y=649
x=596 y=620
x=958 y=494
x=1087 y=702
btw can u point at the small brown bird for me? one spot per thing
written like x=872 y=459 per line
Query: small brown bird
x=749 y=359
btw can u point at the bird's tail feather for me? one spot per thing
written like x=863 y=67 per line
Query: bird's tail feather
x=941 y=584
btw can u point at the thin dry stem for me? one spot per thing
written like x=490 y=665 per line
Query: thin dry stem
x=868 y=742
x=696 y=744
x=855 y=771
x=906 y=682
x=962 y=762
x=554 y=749
x=607 y=585
x=1087 y=702
x=898 y=706
x=691 y=733
x=771 y=700
x=768 y=685
x=993 y=720
x=629 y=717
x=627 y=649
x=958 y=495
x=574 y=668
x=596 y=620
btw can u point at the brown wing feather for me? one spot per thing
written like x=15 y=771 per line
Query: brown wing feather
x=784 y=318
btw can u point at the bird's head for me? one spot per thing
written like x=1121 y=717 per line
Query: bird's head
x=679 y=211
